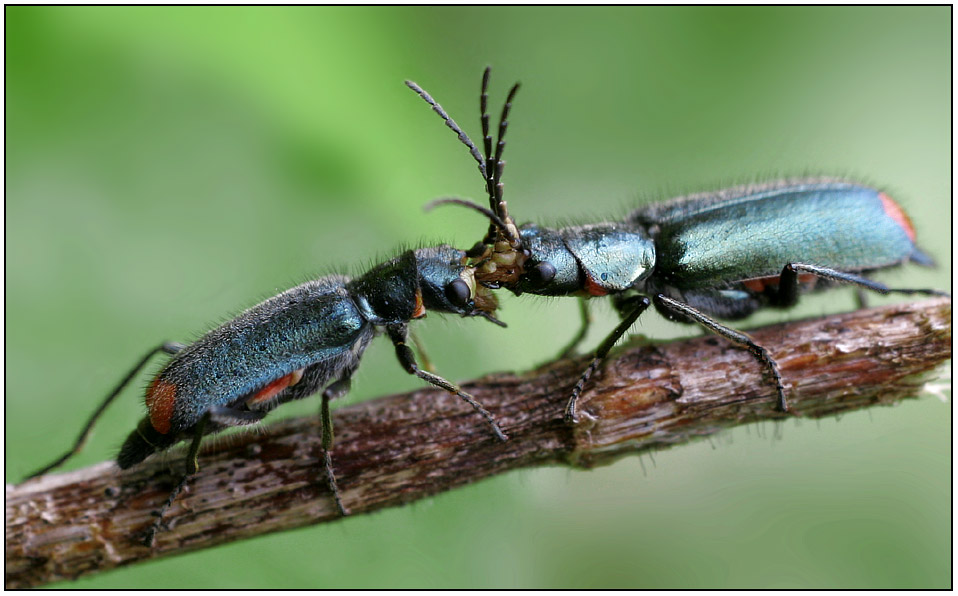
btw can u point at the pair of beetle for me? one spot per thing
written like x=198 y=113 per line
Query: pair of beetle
x=720 y=255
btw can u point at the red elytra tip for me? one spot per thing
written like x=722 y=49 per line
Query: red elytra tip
x=898 y=215
x=160 y=398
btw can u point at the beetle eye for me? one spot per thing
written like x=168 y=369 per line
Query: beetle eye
x=457 y=292
x=542 y=273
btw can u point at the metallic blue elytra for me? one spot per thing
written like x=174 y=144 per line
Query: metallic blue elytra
x=306 y=337
x=708 y=241
x=316 y=325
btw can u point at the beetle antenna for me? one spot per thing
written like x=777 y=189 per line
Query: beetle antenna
x=487 y=140
x=496 y=178
x=463 y=137
x=495 y=220
x=491 y=318
x=490 y=165
x=494 y=164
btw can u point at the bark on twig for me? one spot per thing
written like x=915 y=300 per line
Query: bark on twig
x=397 y=449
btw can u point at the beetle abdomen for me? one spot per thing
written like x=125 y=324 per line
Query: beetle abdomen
x=316 y=322
x=143 y=442
x=843 y=226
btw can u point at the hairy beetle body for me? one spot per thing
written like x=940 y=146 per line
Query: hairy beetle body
x=291 y=346
x=722 y=254
x=750 y=233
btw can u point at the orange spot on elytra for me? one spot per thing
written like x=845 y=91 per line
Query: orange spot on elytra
x=272 y=390
x=898 y=215
x=160 y=398
x=759 y=284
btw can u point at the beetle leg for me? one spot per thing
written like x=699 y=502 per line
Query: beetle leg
x=632 y=307
x=407 y=359
x=166 y=347
x=192 y=465
x=788 y=284
x=760 y=353
x=426 y=362
x=570 y=349
x=215 y=418
x=335 y=390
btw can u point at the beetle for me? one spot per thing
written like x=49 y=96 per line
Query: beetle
x=306 y=339
x=697 y=258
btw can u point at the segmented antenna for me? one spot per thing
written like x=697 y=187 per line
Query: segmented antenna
x=494 y=166
x=486 y=138
x=501 y=143
x=490 y=166
x=463 y=137
x=494 y=219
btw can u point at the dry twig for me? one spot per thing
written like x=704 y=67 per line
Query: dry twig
x=397 y=449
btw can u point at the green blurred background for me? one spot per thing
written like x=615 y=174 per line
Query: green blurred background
x=167 y=167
